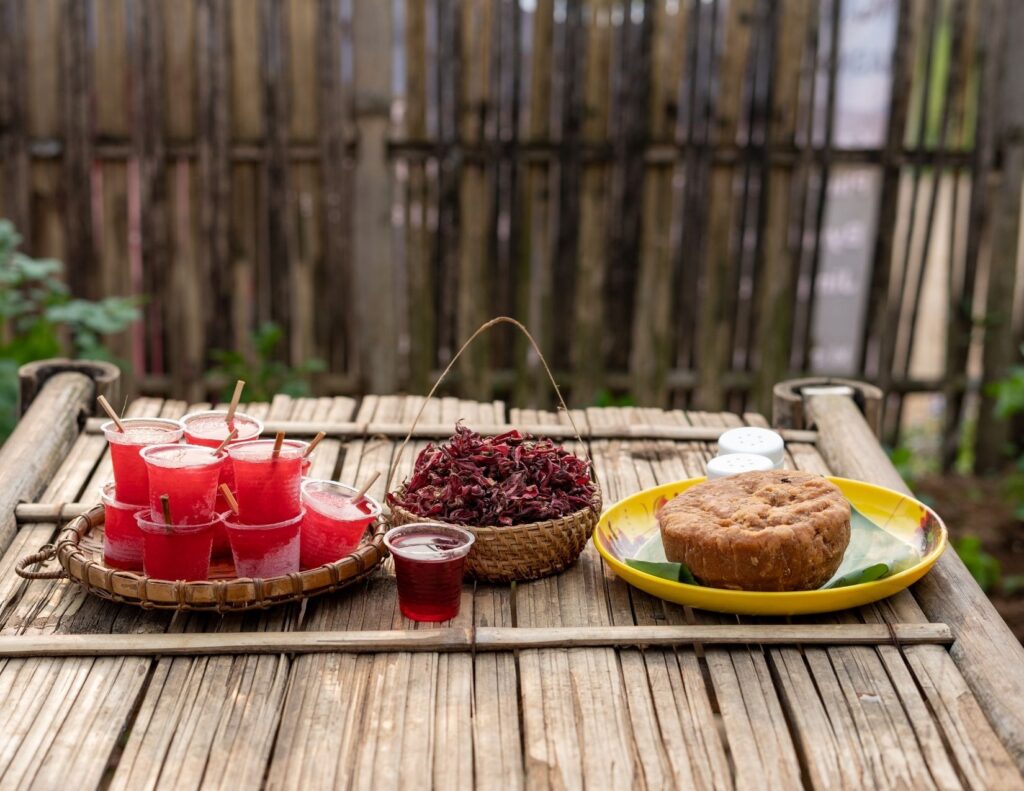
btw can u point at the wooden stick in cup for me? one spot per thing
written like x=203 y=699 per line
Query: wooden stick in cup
x=366 y=487
x=235 y=398
x=278 y=442
x=231 y=435
x=110 y=412
x=313 y=443
x=165 y=506
x=229 y=498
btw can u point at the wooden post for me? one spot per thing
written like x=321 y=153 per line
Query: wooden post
x=1000 y=353
x=77 y=93
x=372 y=295
x=589 y=305
x=779 y=264
x=476 y=211
x=986 y=651
x=43 y=437
x=106 y=378
x=14 y=157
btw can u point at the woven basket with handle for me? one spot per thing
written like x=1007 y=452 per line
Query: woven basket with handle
x=509 y=553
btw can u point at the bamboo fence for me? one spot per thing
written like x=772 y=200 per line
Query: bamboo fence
x=641 y=182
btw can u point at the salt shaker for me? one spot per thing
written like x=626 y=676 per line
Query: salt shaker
x=753 y=440
x=735 y=463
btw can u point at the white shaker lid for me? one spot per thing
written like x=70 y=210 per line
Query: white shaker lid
x=735 y=463
x=751 y=439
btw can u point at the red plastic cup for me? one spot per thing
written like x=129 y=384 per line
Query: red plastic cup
x=267 y=488
x=334 y=525
x=209 y=429
x=131 y=481
x=429 y=561
x=188 y=475
x=264 y=550
x=176 y=552
x=122 y=539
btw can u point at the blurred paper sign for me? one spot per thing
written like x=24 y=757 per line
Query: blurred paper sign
x=867 y=35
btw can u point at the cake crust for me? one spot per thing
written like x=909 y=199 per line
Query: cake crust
x=779 y=530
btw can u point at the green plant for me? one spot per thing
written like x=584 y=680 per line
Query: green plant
x=985 y=568
x=40 y=318
x=902 y=458
x=1009 y=396
x=264 y=375
x=606 y=397
x=1009 y=393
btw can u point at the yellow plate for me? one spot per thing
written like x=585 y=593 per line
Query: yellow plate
x=628 y=524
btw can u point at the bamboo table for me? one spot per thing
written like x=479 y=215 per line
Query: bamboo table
x=569 y=682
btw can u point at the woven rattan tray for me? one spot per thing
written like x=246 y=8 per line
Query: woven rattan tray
x=79 y=550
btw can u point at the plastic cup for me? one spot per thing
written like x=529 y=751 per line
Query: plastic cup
x=334 y=525
x=131 y=482
x=122 y=539
x=188 y=475
x=176 y=552
x=264 y=550
x=267 y=488
x=429 y=561
x=209 y=429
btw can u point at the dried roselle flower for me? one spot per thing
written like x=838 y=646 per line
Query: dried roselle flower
x=510 y=479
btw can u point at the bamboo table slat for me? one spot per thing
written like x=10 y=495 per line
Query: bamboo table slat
x=575 y=681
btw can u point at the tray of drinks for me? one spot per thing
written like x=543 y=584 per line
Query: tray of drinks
x=204 y=514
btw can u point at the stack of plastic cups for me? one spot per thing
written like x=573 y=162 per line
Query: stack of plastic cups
x=128 y=493
x=179 y=548
x=210 y=429
x=264 y=535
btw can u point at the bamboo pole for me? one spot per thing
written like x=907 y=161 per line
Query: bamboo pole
x=986 y=651
x=466 y=639
x=303 y=428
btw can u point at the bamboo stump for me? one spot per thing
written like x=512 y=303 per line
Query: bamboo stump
x=56 y=397
x=106 y=379
x=788 y=408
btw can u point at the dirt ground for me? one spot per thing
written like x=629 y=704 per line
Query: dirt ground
x=979 y=507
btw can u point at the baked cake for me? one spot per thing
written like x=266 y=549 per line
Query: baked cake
x=778 y=530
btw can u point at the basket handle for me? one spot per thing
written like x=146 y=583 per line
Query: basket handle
x=485 y=326
x=45 y=553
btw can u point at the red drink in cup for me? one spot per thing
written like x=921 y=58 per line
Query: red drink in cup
x=122 y=539
x=429 y=561
x=178 y=551
x=267 y=487
x=188 y=475
x=264 y=550
x=334 y=524
x=131 y=482
x=210 y=429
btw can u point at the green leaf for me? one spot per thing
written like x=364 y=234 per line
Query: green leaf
x=873 y=553
x=676 y=572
